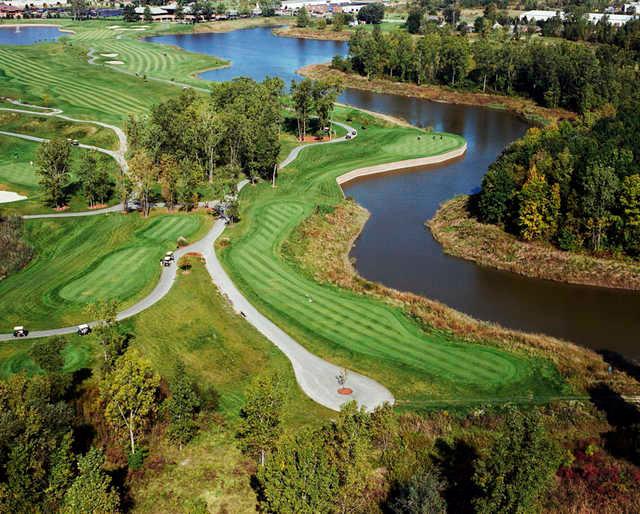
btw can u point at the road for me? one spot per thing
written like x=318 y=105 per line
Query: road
x=316 y=377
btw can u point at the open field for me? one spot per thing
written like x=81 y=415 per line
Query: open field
x=364 y=334
x=82 y=260
x=17 y=173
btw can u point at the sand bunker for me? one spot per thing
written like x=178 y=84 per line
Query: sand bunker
x=137 y=29
x=113 y=27
x=114 y=62
x=10 y=196
x=109 y=55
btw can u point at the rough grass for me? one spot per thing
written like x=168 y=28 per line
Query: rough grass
x=363 y=333
x=460 y=234
x=81 y=260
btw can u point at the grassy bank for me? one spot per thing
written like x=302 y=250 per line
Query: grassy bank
x=521 y=106
x=461 y=235
x=421 y=364
x=319 y=247
x=82 y=260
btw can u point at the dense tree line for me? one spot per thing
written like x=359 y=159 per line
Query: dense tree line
x=565 y=74
x=193 y=141
x=576 y=185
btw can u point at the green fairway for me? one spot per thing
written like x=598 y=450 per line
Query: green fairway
x=361 y=333
x=81 y=260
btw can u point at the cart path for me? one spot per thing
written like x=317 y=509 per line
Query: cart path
x=316 y=376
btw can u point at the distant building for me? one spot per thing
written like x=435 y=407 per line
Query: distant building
x=617 y=20
x=536 y=16
x=10 y=11
x=157 y=13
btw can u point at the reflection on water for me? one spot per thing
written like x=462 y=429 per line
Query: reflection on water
x=395 y=248
x=25 y=35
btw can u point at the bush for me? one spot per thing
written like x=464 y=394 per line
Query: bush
x=136 y=460
x=14 y=252
x=341 y=64
x=182 y=241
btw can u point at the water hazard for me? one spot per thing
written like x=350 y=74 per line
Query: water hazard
x=26 y=35
x=395 y=248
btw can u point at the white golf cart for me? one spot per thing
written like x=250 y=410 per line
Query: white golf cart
x=170 y=255
x=20 y=332
x=83 y=329
x=166 y=261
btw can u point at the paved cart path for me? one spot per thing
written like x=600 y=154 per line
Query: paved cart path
x=316 y=376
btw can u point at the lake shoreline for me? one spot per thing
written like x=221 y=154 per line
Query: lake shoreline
x=524 y=108
x=461 y=235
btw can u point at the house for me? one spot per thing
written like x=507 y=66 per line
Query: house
x=157 y=13
x=10 y=11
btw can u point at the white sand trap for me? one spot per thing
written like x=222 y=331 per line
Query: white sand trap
x=109 y=55
x=10 y=196
x=137 y=29
x=114 y=62
x=113 y=27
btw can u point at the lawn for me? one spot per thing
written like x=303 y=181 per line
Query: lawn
x=369 y=336
x=82 y=260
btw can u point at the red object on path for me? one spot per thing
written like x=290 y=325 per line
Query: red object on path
x=345 y=391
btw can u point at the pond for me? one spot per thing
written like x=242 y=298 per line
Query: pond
x=28 y=35
x=395 y=248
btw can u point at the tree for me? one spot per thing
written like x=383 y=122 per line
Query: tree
x=168 y=177
x=299 y=479
x=52 y=162
x=143 y=172
x=630 y=202
x=47 y=354
x=182 y=407
x=268 y=7
x=324 y=99
x=420 y=495
x=94 y=177
x=538 y=207
x=261 y=416
x=414 y=20
x=78 y=9
x=518 y=469
x=129 y=393
x=371 y=13
x=129 y=14
x=302 y=95
x=107 y=332
x=91 y=492
x=600 y=190
x=147 y=14
x=302 y=18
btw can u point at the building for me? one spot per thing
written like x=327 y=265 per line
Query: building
x=617 y=20
x=536 y=16
x=10 y=11
x=157 y=13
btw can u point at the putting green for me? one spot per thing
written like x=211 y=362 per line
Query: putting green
x=169 y=229
x=364 y=334
x=105 y=280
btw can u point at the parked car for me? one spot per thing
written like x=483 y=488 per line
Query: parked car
x=83 y=329
x=20 y=331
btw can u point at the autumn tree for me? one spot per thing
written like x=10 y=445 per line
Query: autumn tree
x=129 y=393
x=600 y=190
x=302 y=18
x=91 y=492
x=52 y=162
x=539 y=206
x=47 y=354
x=261 y=416
x=630 y=202
x=143 y=172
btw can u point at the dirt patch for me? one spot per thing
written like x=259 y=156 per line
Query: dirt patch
x=524 y=107
x=306 y=33
x=98 y=206
x=462 y=235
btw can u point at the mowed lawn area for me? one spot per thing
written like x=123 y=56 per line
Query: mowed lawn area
x=82 y=260
x=358 y=332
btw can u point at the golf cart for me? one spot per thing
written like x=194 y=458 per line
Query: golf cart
x=83 y=329
x=348 y=136
x=166 y=261
x=20 y=332
x=170 y=255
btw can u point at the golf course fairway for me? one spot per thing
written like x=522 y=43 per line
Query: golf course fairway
x=82 y=260
x=361 y=333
